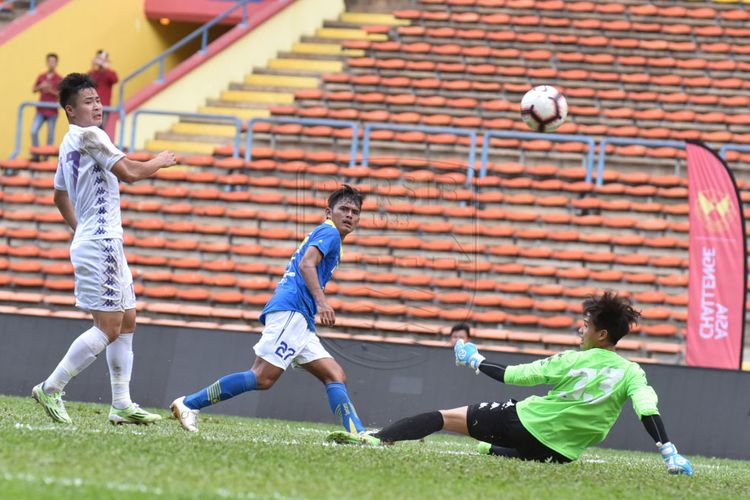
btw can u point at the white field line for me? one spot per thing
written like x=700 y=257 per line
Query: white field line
x=597 y=460
x=310 y=430
x=77 y=482
x=52 y=427
x=201 y=436
x=447 y=448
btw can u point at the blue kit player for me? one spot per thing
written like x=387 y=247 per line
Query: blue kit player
x=289 y=320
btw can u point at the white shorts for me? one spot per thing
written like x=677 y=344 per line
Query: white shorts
x=286 y=339
x=102 y=277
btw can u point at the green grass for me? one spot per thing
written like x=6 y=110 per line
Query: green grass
x=256 y=458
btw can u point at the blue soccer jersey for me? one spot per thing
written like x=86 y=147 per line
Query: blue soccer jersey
x=292 y=293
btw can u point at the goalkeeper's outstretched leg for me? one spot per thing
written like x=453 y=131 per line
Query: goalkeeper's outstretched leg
x=493 y=423
x=591 y=386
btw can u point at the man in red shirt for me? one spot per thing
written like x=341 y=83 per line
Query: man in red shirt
x=104 y=79
x=46 y=84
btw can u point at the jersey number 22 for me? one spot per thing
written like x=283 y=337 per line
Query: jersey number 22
x=585 y=376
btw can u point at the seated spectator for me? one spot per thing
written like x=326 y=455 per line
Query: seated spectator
x=461 y=331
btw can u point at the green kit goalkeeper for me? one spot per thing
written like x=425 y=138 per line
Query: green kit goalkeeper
x=590 y=389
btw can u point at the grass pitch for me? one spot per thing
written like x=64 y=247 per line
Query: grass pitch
x=256 y=458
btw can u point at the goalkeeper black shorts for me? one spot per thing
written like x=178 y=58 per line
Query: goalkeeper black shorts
x=499 y=425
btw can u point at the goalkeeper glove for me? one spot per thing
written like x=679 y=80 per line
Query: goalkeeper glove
x=676 y=463
x=467 y=354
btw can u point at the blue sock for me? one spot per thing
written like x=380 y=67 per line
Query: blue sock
x=342 y=407
x=226 y=387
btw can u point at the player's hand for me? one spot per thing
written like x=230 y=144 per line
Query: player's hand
x=467 y=354
x=676 y=463
x=326 y=314
x=166 y=159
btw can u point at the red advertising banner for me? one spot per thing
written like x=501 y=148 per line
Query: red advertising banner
x=716 y=286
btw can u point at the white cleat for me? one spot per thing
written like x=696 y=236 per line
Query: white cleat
x=133 y=414
x=188 y=418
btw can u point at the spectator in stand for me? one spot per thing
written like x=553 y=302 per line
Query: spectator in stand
x=46 y=84
x=104 y=79
x=461 y=331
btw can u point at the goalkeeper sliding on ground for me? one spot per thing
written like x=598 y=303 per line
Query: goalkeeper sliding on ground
x=590 y=389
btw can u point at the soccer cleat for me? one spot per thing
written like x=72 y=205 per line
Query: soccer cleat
x=343 y=437
x=133 y=414
x=484 y=448
x=52 y=404
x=188 y=418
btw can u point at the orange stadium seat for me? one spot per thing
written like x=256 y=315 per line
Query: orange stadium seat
x=523 y=246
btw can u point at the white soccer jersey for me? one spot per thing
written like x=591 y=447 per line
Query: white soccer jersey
x=84 y=170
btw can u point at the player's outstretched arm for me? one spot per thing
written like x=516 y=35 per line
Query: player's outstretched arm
x=130 y=171
x=309 y=269
x=468 y=354
x=676 y=463
x=64 y=205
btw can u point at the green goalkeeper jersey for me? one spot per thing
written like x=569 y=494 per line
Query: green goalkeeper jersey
x=590 y=390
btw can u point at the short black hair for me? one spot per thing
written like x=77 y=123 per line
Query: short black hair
x=611 y=312
x=52 y=54
x=345 y=192
x=71 y=85
x=461 y=326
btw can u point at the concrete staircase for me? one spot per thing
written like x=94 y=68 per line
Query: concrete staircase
x=275 y=84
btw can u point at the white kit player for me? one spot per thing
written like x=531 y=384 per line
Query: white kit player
x=88 y=196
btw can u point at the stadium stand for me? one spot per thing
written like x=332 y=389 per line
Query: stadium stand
x=13 y=9
x=513 y=252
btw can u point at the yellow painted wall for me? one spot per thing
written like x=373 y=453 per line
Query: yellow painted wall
x=75 y=32
x=303 y=17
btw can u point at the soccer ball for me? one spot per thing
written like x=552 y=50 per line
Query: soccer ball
x=544 y=108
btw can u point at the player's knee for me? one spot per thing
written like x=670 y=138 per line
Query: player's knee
x=111 y=324
x=338 y=376
x=128 y=327
x=265 y=377
x=110 y=329
x=128 y=322
x=264 y=381
x=334 y=376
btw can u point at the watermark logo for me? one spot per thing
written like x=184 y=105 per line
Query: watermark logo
x=716 y=210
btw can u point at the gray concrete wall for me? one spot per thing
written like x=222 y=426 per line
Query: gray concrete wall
x=706 y=411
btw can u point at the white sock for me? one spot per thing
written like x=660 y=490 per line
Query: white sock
x=82 y=352
x=120 y=362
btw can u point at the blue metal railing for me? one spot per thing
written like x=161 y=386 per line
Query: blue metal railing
x=355 y=127
x=305 y=121
x=742 y=148
x=472 y=134
x=48 y=105
x=160 y=59
x=229 y=118
x=486 y=139
x=633 y=141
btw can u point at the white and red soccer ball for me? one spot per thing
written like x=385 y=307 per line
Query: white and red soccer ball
x=544 y=108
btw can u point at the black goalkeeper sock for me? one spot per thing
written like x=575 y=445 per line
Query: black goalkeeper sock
x=412 y=428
